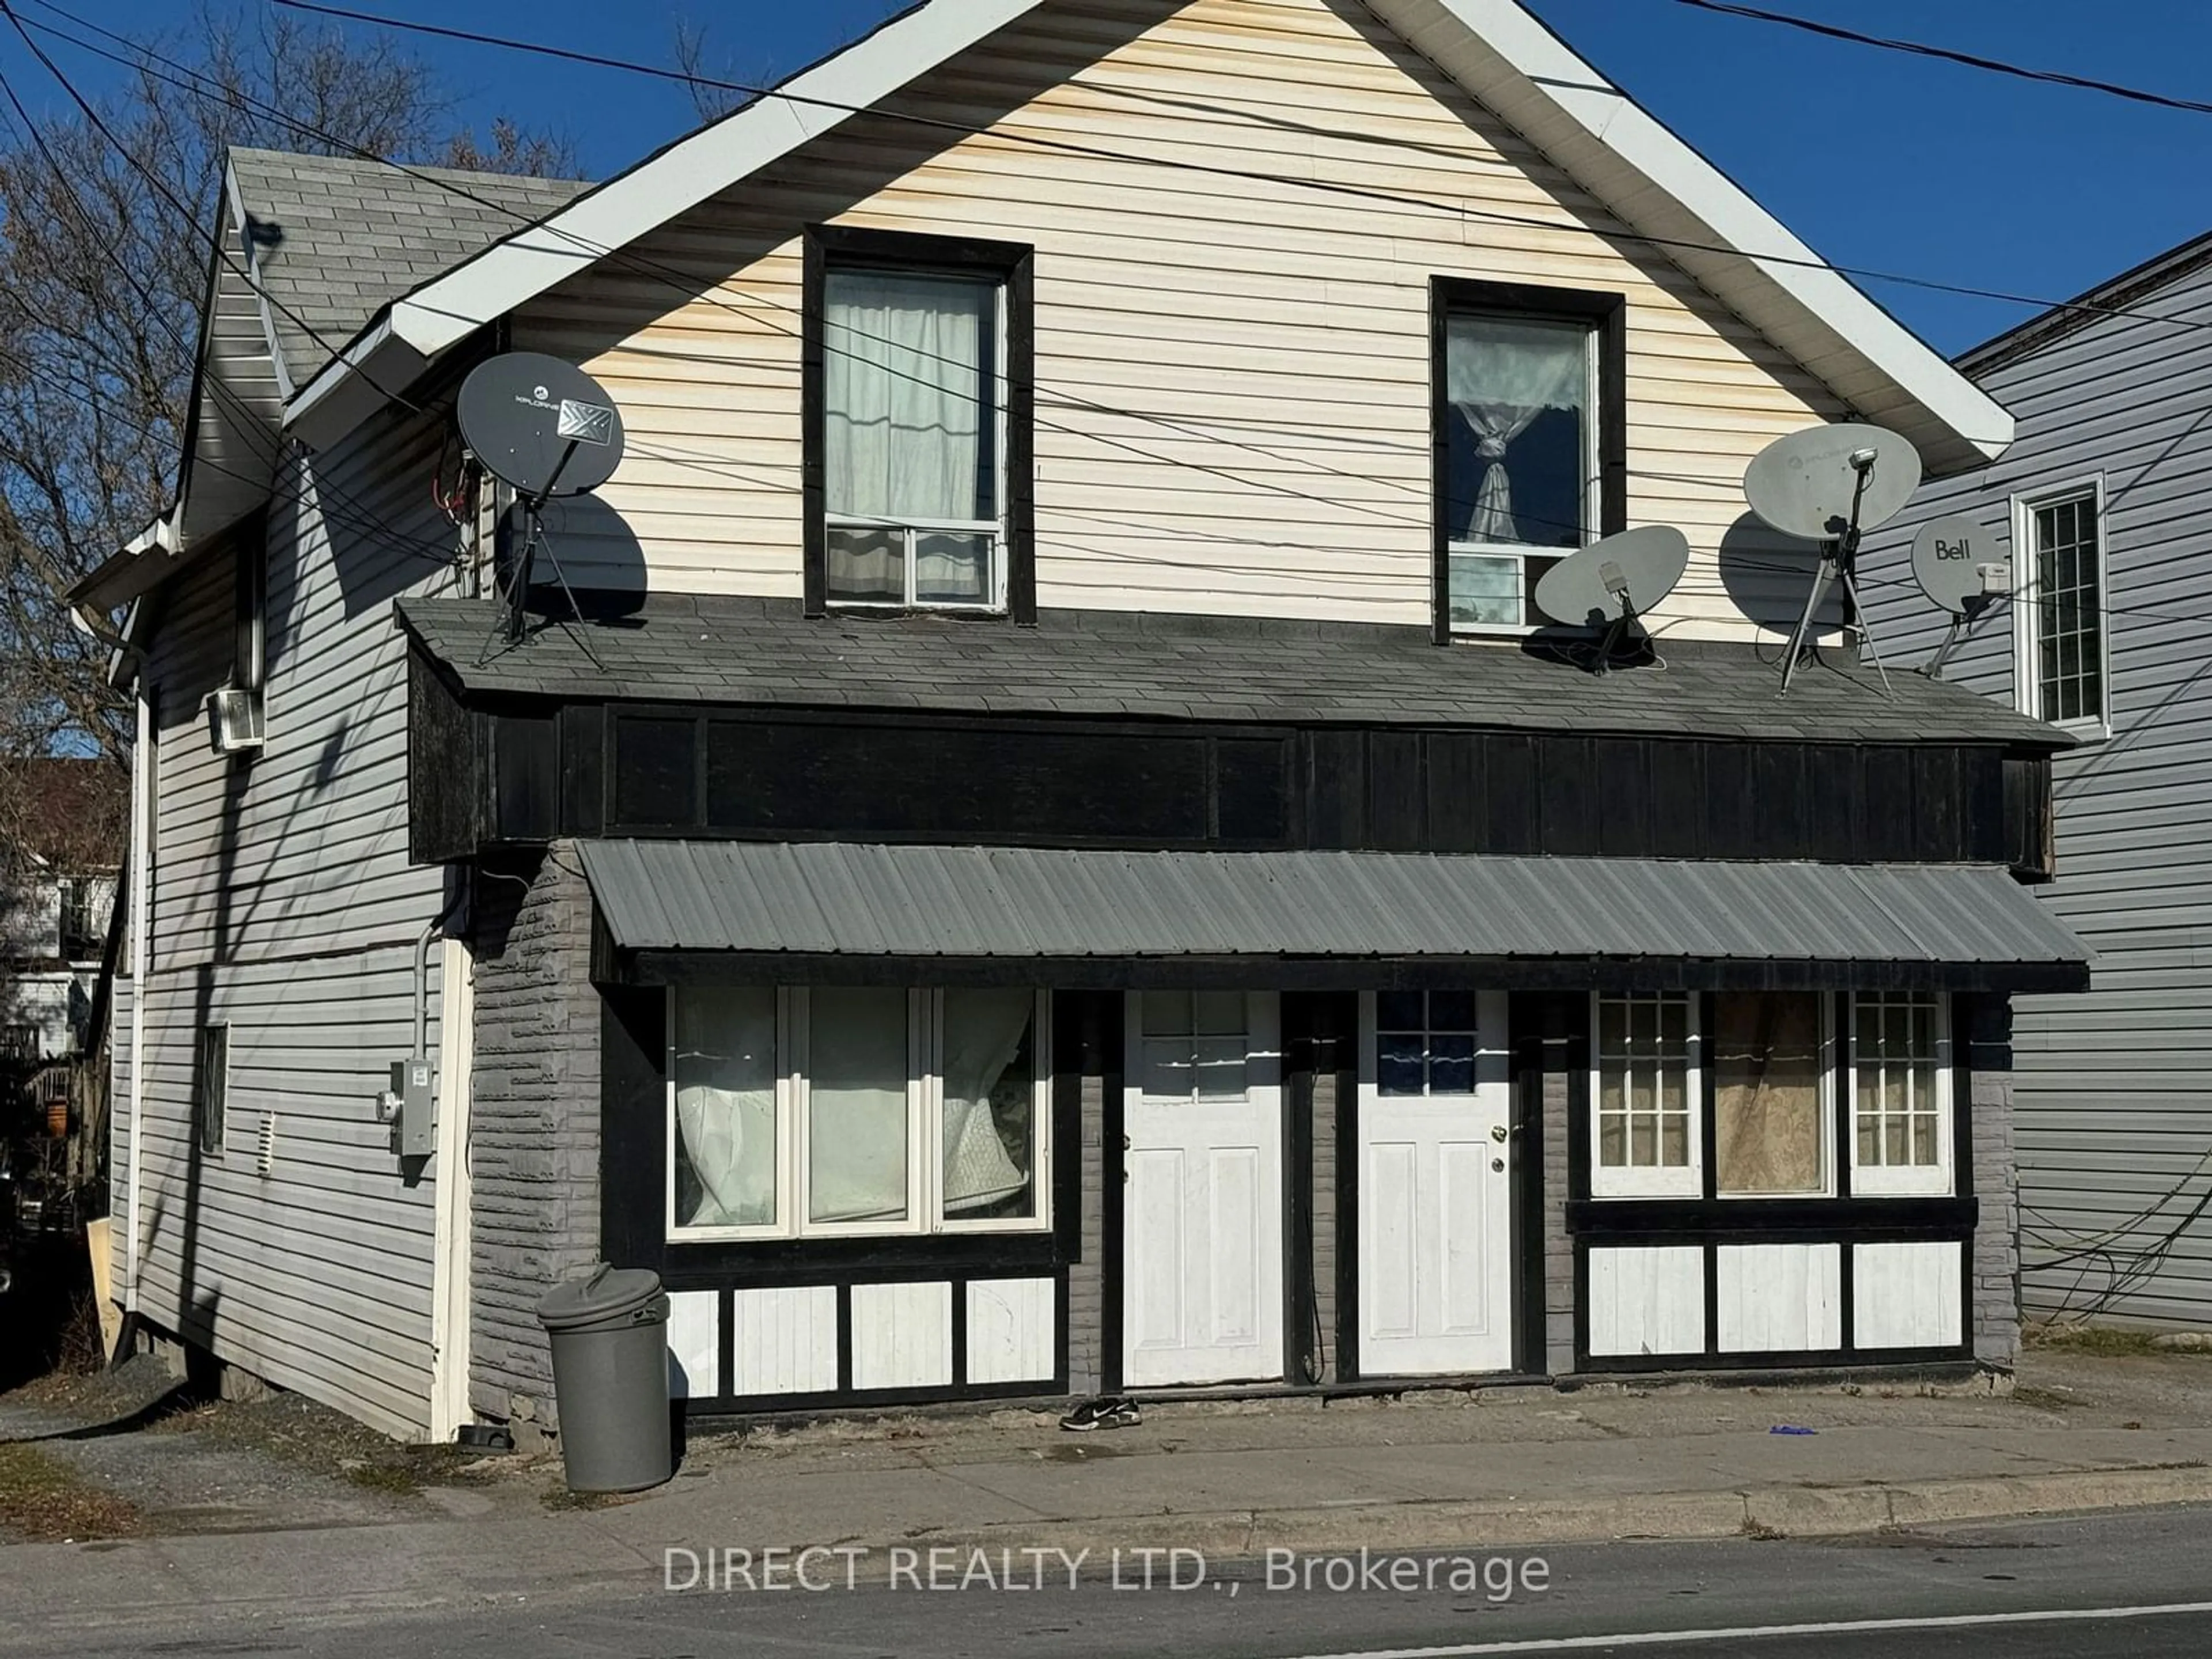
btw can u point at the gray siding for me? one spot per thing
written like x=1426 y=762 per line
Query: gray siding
x=2114 y=1086
x=283 y=903
x=534 y=1138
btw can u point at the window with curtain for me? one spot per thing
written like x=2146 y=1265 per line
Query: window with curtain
x=843 y=1110
x=913 y=462
x=1770 y=1095
x=1901 y=1094
x=1645 y=1139
x=1520 y=466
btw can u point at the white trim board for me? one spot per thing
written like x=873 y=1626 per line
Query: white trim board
x=1659 y=185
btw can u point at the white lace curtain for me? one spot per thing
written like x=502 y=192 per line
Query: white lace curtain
x=904 y=400
x=1501 y=375
x=726 y=1102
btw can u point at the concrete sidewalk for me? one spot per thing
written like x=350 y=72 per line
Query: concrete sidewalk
x=1230 y=1481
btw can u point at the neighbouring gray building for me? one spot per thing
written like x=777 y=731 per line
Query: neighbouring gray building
x=2099 y=507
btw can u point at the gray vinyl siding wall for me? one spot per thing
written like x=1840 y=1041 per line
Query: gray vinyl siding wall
x=283 y=903
x=2113 y=1086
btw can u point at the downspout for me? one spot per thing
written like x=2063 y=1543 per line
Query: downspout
x=140 y=899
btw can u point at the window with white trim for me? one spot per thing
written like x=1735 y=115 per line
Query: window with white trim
x=1521 y=466
x=2062 y=670
x=845 y=1111
x=1901 y=1094
x=914 y=438
x=1643 y=1100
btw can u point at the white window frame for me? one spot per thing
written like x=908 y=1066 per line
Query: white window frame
x=2027 y=608
x=997 y=528
x=1648 y=1181
x=1827 y=1110
x=925 y=1132
x=1593 y=480
x=1936 y=1179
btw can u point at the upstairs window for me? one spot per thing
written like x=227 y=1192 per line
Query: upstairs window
x=1529 y=455
x=2062 y=656
x=918 y=409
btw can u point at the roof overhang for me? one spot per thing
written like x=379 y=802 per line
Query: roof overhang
x=699 y=909
x=1657 y=184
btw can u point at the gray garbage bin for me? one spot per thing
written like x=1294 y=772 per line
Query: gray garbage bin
x=610 y=1337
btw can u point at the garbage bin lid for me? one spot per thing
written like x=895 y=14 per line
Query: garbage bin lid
x=605 y=1294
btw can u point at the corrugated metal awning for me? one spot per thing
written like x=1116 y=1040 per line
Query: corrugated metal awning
x=1005 y=903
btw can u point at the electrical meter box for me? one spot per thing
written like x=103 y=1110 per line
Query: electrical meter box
x=415 y=1088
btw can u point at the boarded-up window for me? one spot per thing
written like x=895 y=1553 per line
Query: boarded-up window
x=1770 y=1135
x=211 y=1089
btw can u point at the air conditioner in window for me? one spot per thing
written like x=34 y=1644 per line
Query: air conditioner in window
x=234 y=721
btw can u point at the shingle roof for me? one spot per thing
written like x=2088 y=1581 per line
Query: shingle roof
x=337 y=239
x=708 y=648
x=1026 y=902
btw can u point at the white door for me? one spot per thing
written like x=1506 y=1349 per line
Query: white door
x=1435 y=1248
x=1203 y=1237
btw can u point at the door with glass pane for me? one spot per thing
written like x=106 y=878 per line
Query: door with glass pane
x=1434 y=1200
x=1202 y=1238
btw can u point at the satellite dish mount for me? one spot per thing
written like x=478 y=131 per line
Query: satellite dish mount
x=544 y=428
x=1831 y=484
x=1612 y=583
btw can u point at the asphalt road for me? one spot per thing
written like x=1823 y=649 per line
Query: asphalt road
x=1983 y=1591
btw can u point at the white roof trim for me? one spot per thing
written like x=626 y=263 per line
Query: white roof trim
x=1495 y=48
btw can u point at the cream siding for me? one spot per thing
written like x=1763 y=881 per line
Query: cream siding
x=1232 y=374
x=283 y=904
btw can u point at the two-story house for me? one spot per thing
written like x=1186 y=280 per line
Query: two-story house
x=2098 y=514
x=1059 y=856
x=57 y=872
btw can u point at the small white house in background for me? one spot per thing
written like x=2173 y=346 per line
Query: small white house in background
x=56 y=892
x=1058 y=855
x=2103 y=510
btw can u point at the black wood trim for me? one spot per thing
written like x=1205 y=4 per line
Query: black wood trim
x=1612 y=1220
x=1014 y=265
x=845 y=1337
x=1610 y=312
x=1113 y=1194
x=1771 y=1360
x=828 y=1403
x=1332 y=973
x=1702 y=1049
x=1526 y=1139
x=812 y=474
x=1710 y=1267
x=1843 y=1131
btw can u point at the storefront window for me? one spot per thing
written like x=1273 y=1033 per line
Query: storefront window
x=1901 y=1095
x=1770 y=1116
x=1646 y=1081
x=990 y=1105
x=848 y=1110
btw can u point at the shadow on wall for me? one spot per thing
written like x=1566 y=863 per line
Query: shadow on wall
x=1767 y=575
x=599 y=554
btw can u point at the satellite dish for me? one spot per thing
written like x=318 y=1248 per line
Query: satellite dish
x=544 y=428
x=539 y=424
x=1953 y=562
x=1827 y=481
x=1631 y=572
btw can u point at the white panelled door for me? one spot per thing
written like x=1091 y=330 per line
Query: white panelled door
x=1435 y=1244
x=1202 y=1238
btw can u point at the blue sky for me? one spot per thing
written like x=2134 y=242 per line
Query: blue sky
x=1877 y=160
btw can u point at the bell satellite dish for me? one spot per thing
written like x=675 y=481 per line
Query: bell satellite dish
x=1954 y=560
x=1611 y=583
x=545 y=429
x=1818 y=483
x=1831 y=484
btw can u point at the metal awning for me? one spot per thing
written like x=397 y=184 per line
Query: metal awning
x=751 y=907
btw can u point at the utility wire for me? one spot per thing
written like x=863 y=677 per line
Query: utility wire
x=1458 y=210
x=1946 y=54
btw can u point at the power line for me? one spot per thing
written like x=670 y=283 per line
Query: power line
x=1459 y=211
x=1946 y=54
